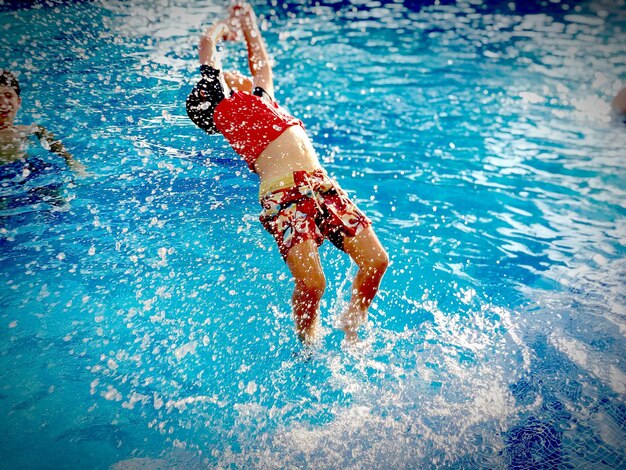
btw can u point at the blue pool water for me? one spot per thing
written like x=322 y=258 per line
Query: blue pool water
x=145 y=318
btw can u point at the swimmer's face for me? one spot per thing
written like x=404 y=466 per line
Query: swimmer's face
x=9 y=105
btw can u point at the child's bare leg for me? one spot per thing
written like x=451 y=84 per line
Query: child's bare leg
x=304 y=263
x=369 y=255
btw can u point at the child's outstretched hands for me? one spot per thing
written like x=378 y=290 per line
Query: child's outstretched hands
x=242 y=14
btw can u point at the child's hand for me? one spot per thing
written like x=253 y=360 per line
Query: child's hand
x=233 y=24
x=242 y=13
x=219 y=31
x=237 y=8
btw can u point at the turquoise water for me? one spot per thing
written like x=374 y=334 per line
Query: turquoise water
x=145 y=317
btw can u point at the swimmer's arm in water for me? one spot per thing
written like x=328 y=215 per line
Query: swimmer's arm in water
x=56 y=146
x=259 y=59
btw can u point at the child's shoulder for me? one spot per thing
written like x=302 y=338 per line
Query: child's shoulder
x=26 y=130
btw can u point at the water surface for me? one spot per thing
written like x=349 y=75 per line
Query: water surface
x=147 y=320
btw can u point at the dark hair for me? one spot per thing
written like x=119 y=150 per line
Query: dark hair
x=204 y=98
x=8 y=79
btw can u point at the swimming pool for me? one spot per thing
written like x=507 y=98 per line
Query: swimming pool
x=146 y=322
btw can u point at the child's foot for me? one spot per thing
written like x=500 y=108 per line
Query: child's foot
x=350 y=322
x=312 y=335
x=304 y=354
x=356 y=346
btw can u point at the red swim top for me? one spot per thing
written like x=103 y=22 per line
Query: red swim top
x=251 y=123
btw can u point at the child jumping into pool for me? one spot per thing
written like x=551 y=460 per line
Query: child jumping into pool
x=13 y=138
x=301 y=205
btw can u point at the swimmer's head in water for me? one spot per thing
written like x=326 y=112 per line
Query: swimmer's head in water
x=10 y=100
x=9 y=80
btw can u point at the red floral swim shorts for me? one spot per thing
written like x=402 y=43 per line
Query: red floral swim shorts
x=313 y=207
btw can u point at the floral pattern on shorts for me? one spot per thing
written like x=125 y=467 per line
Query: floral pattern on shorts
x=314 y=208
